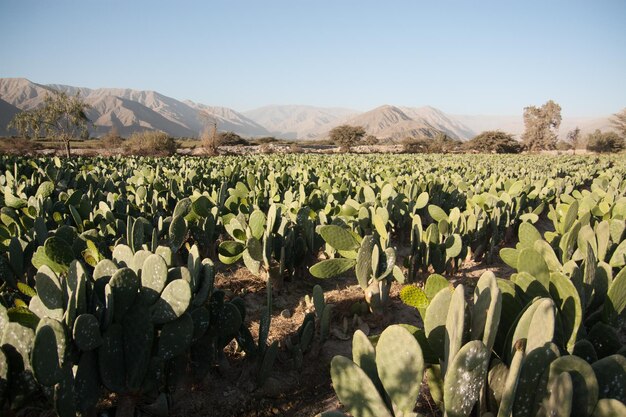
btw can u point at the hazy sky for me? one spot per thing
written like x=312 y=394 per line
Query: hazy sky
x=464 y=57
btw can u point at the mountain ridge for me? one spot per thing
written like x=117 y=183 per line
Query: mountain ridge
x=129 y=111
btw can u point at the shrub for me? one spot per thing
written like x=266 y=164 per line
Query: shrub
x=604 y=142
x=563 y=146
x=231 y=139
x=494 y=141
x=18 y=146
x=150 y=143
x=295 y=148
x=210 y=140
x=112 y=140
x=416 y=145
x=265 y=148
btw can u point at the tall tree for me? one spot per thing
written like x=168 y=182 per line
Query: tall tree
x=541 y=126
x=61 y=117
x=346 y=136
x=619 y=122
x=573 y=137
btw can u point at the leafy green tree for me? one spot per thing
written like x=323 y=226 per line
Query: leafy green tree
x=494 y=141
x=604 y=142
x=61 y=117
x=541 y=125
x=346 y=136
x=619 y=122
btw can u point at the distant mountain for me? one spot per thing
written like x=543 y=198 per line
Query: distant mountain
x=135 y=110
x=22 y=93
x=299 y=122
x=440 y=121
x=230 y=120
x=7 y=112
x=391 y=122
x=132 y=110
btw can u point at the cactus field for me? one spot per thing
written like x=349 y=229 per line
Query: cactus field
x=135 y=286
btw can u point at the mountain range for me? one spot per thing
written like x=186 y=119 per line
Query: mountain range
x=130 y=111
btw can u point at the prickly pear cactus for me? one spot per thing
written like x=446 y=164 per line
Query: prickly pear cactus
x=611 y=375
x=584 y=383
x=400 y=366
x=48 y=354
x=355 y=390
x=465 y=378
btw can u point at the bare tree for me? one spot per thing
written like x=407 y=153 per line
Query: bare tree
x=209 y=138
x=573 y=137
x=619 y=123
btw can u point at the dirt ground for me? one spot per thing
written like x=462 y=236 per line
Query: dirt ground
x=230 y=391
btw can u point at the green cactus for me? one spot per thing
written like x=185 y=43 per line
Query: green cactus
x=177 y=232
x=138 y=340
x=86 y=332
x=355 y=390
x=124 y=287
x=470 y=365
x=398 y=362
x=59 y=252
x=532 y=384
x=486 y=310
x=559 y=403
x=567 y=301
x=616 y=298
x=510 y=383
x=175 y=337
x=435 y=321
x=400 y=366
x=111 y=359
x=604 y=339
x=153 y=278
x=331 y=267
x=123 y=256
x=269 y=357
x=173 y=302
x=48 y=352
x=533 y=263
x=584 y=383
x=87 y=382
x=364 y=356
x=609 y=407
x=611 y=374
x=50 y=294
x=455 y=326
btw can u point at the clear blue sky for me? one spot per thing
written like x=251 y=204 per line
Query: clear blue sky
x=464 y=57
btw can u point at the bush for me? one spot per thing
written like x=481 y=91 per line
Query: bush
x=295 y=148
x=416 y=145
x=231 y=139
x=150 y=143
x=494 y=141
x=604 y=142
x=112 y=140
x=18 y=146
x=563 y=146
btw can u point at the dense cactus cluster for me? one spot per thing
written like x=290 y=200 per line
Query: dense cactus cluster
x=107 y=270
